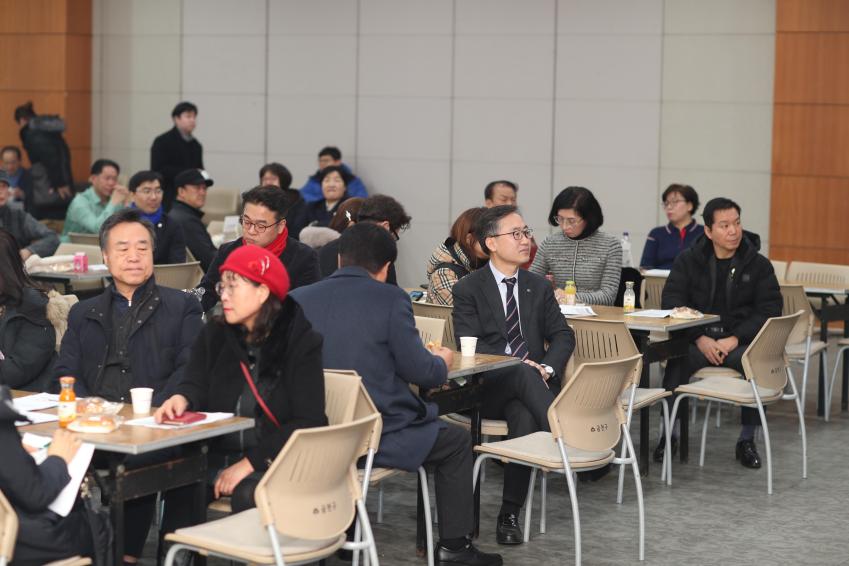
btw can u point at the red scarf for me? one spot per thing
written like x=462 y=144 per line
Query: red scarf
x=278 y=246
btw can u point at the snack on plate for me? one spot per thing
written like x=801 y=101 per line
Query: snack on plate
x=686 y=313
x=97 y=406
x=95 y=424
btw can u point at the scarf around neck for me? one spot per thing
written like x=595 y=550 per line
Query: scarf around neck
x=278 y=246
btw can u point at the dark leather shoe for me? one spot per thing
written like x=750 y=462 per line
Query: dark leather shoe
x=508 y=530
x=748 y=454
x=468 y=555
x=661 y=448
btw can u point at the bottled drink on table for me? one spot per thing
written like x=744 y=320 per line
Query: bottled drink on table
x=570 y=292
x=627 y=258
x=67 y=409
x=629 y=301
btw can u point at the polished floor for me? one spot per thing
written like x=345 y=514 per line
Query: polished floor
x=716 y=514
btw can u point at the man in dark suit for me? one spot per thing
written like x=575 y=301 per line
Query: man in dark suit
x=512 y=311
x=177 y=150
x=368 y=326
x=264 y=224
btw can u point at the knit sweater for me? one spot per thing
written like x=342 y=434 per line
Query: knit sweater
x=594 y=263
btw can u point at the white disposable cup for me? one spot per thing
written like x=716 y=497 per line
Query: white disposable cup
x=468 y=345
x=141 y=399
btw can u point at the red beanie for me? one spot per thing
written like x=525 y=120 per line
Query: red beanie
x=260 y=266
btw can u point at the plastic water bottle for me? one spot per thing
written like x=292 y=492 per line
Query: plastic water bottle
x=629 y=300
x=627 y=259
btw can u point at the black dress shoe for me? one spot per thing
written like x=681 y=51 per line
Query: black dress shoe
x=748 y=454
x=468 y=555
x=661 y=448
x=508 y=530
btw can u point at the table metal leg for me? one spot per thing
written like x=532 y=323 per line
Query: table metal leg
x=645 y=413
x=821 y=380
x=476 y=423
x=116 y=509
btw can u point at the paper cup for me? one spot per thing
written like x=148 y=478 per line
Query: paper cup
x=141 y=397
x=468 y=345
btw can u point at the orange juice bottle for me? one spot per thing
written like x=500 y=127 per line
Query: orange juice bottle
x=67 y=410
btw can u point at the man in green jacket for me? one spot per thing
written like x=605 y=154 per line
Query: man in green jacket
x=105 y=196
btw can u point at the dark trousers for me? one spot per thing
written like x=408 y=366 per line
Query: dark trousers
x=519 y=396
x=44 y=537
x=679 y=371
x=450 y=461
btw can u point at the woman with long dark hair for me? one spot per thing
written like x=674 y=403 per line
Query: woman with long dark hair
x=456 y=257
x=259 y=359
x=27 y=339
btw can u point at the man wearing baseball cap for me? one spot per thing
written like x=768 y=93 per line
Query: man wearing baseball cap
x=192 y=185
x=33 y=236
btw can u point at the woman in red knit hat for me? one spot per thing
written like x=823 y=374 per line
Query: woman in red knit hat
x=259 y=359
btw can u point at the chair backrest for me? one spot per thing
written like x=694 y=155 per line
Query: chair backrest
x=8 y=530
x=796 y=300
x=439 y=311
x=93 y=252
x=58 y=308
x=652 y=291
x=79 y=238
x=341 y=390
x=365 y=407
x=600 y=340
x=780 y=268
x=178 y=275
x=764 y=361
x=215 y=227
x=430 y=329
x=587 y=413
x=221 y=202
x=311 y=489
x=825 y=274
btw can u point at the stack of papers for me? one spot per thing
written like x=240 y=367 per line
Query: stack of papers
x=651 y=313
x=577 y=310
x=149 y=422
x=37 y=402
x=36 y=418
x=656 y=273
x=64 y=502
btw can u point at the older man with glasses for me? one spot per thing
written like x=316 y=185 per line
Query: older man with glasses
x=512 y=311
x=264 y=224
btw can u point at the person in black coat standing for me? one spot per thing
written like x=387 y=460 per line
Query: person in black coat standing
x=43 y=536
x=722 y=273
x=261 y=359
x=264 y=224
x=512 y=311
x=177 y=150
x=146 y=190
x=27 y=339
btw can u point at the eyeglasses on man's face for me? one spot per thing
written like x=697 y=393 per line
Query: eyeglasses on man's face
x=672 y=203
x=258 y=227
x=517 y=234
x=150 y=192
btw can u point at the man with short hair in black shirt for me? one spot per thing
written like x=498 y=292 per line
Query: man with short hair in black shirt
x=177 y=150
x=722 y=273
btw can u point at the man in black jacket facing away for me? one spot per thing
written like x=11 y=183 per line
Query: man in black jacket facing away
x=264 y=224
x=177 y=150
x=722 y=273
x=192 y=185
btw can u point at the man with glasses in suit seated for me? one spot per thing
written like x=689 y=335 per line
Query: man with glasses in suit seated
x=513 y=312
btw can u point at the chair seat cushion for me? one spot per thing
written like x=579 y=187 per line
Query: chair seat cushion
x=716 y=372
x=798 y=350
x=644 y=397
x=242 y=536
x=73 y=561
x=843 y=342
x=489 y=427
x=729 y=389
x=379 y=474
x=540 y=449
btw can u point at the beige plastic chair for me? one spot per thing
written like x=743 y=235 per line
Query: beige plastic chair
x=221 y=202
x=305 y=502
x=780 y=268
x=215 y=227
x=587 y=422
x=80 y=238
x=178 y=275
x=818 y=274
x=651 y=291
x=600 y=340
x=430 y=329
x=801 y=346
x=74 y=561
x=765 y=367
x=439 y=311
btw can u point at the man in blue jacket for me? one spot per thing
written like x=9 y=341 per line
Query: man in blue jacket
x=368 y=326
x=134 y=334
x=331 y=156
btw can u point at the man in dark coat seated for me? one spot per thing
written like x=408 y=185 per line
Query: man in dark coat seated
x=135 y=334
x=264 y=224
x=369 y=327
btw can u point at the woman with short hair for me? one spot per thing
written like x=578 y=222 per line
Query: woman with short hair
x=456 y=257
x=581 y=252
x=664 y=243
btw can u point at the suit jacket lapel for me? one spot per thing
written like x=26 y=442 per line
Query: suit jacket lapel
x=493 y=297
x=526 y=299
